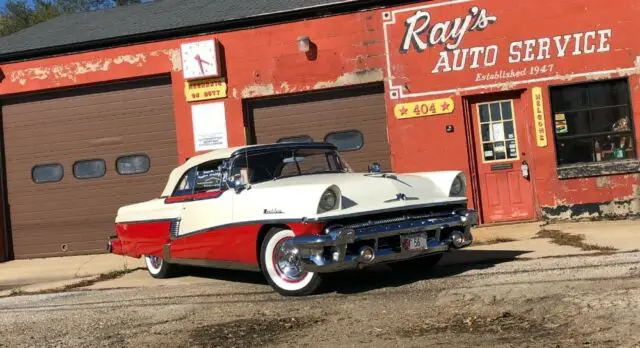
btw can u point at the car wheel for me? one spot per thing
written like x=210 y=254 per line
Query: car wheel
x=281 y=266
x=413 y=265
x=159 y=268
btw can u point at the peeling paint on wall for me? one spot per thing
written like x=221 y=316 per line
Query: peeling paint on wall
x=618 y=209
x=352 y=78
x=598 y=76
x=174 y=57
x=621 y=208
x=347 y=79
x=71 y=71
x=258 y=90
x=603 y=181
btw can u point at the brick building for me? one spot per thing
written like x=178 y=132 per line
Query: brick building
x=533 y=100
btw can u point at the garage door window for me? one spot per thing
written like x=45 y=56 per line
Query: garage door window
x=133 y=164
x=89 y=169
x=346 y=141
x=47 y=173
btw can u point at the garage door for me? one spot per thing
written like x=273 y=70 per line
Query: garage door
x=354 y=119
x=74 y=157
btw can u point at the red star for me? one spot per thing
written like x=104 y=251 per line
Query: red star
x=445 y=106
x=403 y=111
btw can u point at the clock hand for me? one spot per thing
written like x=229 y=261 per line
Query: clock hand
x=197 y=57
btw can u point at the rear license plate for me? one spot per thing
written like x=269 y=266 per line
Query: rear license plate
x=415 y=242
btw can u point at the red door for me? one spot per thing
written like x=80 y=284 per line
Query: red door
x=501 y=146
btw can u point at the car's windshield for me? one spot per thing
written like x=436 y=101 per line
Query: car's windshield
x=279 y=164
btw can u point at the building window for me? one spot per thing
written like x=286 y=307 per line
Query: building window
x=346 y=140
x=133 y=164
x=89 y=169
x=592 y=122
x=498 y=131
x=296 y=139
x=47 y=173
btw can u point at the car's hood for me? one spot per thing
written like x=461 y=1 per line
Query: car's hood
x=361 y=193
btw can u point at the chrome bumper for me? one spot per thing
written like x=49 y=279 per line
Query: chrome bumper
x=334 y=251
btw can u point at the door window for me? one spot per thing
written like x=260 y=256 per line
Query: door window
x=498 y=138
x=186 y=183
x=208 y=177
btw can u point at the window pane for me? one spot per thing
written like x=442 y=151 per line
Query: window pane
x=575 y=151
x=134 y=164
x=512 y=149
x=495 y=112
x=608 y=93
x=296 y=139
x=488 y=152
x=499 y=150
x=484 y=113
x=208 y=180
x=610 y=120
x=577 y=123
x=570 y=98
x=613 y=147
x=486 y=134
x=46 y=173
x=509 y=132
x=89 y=169
x=346 y=141
x=506 y=110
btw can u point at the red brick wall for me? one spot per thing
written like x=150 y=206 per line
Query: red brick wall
x=351 y=49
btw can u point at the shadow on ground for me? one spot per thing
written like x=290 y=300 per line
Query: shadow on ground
x=459 y=262
x=379 y=276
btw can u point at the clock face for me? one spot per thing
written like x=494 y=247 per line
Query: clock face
x=200 y=59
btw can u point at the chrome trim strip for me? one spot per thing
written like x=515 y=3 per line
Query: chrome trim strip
x=217 y=264
x=321 y=218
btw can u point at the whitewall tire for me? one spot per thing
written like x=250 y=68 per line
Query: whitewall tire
x=158 y=268
x=281 y=265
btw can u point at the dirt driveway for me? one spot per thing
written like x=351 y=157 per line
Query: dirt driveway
x=556 y=302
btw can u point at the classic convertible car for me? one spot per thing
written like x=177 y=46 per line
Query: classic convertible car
x=294 y=211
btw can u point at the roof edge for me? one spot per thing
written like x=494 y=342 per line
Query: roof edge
x=311 y=12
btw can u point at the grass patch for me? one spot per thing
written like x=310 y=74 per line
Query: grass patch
x=574 y=240
x=494 y=241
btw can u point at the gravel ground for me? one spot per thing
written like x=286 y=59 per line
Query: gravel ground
x=557 y=302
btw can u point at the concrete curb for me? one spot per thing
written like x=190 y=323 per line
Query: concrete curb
x=65 y=285
x=57 y=286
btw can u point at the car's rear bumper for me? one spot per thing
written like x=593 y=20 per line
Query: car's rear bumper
x=344 y=248
x=114 y=245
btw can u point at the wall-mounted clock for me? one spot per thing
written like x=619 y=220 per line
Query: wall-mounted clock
x=200 y=59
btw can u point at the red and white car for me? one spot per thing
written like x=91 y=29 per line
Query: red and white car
x=294 y=211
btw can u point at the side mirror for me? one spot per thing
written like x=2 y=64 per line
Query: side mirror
x=239 y=183
x=374 y=167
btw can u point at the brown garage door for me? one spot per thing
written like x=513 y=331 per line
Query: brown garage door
x=66 y=174
x=353 y=118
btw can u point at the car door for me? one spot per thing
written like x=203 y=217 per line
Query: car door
x=206 y=214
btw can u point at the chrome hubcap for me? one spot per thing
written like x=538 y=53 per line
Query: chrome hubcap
x=287 y=261
x=155 y=261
